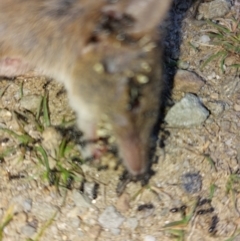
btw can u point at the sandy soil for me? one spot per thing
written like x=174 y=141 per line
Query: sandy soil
x=209 y=153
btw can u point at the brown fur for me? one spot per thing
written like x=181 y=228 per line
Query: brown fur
x=99 y=50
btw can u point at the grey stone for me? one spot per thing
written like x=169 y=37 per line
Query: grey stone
x=192 y=182
x=80 y=200
x=43 y=211
x=186 y=113
x=214 y=9
x=115 y=231
x=28 y=230
x=27 y=205
x=31 y=102
x=111 y=219
x=17 y=202
x=216 y=107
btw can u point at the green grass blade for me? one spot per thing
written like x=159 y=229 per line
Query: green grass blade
x=219 y=27
x=7 y=152
x=46 y=116
x=212 y=190
x=23 y=139
x=235 y=65
x=41 y=150
x=3 y=90
x=193 y=46
x=39 y=109
x=211 y=58
x=222 y=61
x=211 y=162
x=5 y=221
x=62 y=148
x=21 y=90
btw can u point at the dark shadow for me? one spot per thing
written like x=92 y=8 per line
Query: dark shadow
x=172 y=43
x=172 y=29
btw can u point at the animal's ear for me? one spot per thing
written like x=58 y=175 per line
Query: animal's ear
x=147 y=14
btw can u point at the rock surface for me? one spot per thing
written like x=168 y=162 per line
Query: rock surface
x=187 y=113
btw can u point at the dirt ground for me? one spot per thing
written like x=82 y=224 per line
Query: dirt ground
x=206 y=155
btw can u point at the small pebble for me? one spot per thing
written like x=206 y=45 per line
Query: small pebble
x=123 y=202
x=216 y=107
x=28 y=230
x=204 y=39
x=31 y=102
x=5 y=115
x=183 y=65
x=111 y=219
x=236 y=107
x=27 y=205
x=211 y=76
x=214 y=9
x=192 y=182
x=95 y=231
x=187 y=81
x=149 y=238
x=131 y=223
